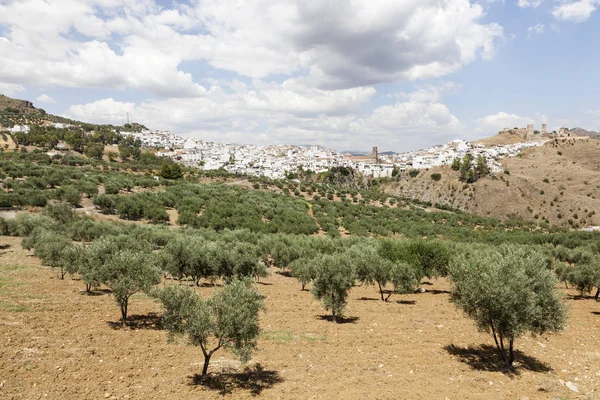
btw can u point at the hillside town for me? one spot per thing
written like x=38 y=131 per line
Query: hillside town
x=276 y=161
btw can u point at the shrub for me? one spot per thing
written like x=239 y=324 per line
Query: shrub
x=413 y=173
x=436 y=177
x=228 y=319
x=509 y=291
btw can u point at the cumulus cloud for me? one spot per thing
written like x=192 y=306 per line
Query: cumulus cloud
x=492 y=124
x=138 y=44
x=44 y=98
x=575 y=11
x=287 y=113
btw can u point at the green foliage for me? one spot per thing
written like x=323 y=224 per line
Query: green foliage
x=456 y=164
x=128 y=272
x=229 y=319
x=335 y=277
x=508 y=291
x=413 y=173
x=436 y=177
x=171 y=171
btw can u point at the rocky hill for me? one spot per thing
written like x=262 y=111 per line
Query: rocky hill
x=584 y=132
x=558 y=183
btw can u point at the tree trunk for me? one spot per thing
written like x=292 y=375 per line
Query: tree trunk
x=597 y=294
x=303 y=285
x=333 y=307
x=124 y=311
x=206 y=362
x=62 y=273
x=380 y=291
x=511 y=355
x=499 y=344
x=88 y=287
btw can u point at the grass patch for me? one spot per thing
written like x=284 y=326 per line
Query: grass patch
x=12 y=307
x=289 y=336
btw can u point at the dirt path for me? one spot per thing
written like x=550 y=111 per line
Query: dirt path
x=59 y=343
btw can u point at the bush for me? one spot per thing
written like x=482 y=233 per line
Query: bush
x=228 y=319
x=436 y=177
x=413 y=173
x=509 y=291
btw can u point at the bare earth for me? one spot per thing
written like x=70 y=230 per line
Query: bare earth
x=59 y=343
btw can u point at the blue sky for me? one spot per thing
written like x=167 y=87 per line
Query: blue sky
x=346 y=74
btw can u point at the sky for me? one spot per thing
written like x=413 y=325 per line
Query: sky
x=346 y=74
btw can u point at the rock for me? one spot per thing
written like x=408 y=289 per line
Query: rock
x=572 y=386
x=420 y=290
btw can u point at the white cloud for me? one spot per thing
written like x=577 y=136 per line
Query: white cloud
x=535 y=30
x=338 y=44
x=529 y=3
x=44 y=98
x=269 y=113
x=492 y=124
x=10 y=89
x=575 y=11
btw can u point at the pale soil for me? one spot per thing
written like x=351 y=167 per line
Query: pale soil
x=575 y=173
x=59 y=343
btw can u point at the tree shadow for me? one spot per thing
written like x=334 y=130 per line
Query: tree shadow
x=579 y=297
x=285 y=273
x=264 y=283
x=255 y=379
x=406 y=302
x=150 y=321
x=338 y=319
x=4 y=246
x=427 y=283
x=486 y=358
x=596 y=312
x=436 y=291
x=369 y=299
x=209 y=284
x=96 y=292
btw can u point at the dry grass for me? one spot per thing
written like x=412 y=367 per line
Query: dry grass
x=572 y=191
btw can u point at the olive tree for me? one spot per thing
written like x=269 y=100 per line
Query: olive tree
x=508 y=291
x=335 y=277
x=403 y=278
x=128 y=272
x=304 y=270
x=229 y=319
x=49 y=247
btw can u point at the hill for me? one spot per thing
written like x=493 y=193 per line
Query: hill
x=19 y=112
x=584 y=132
x=558 y=183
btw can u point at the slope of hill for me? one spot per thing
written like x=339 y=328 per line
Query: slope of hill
x=15 y=111
x=557 y=183
x=584 y=132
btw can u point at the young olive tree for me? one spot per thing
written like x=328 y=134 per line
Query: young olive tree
x=128 y=272
x=334 y=278
x=508 y=291
x=49 y=247
x=403 y=277
x=304 y=270
x=229 y=319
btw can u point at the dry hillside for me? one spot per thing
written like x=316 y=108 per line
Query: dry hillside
x=558 y=183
